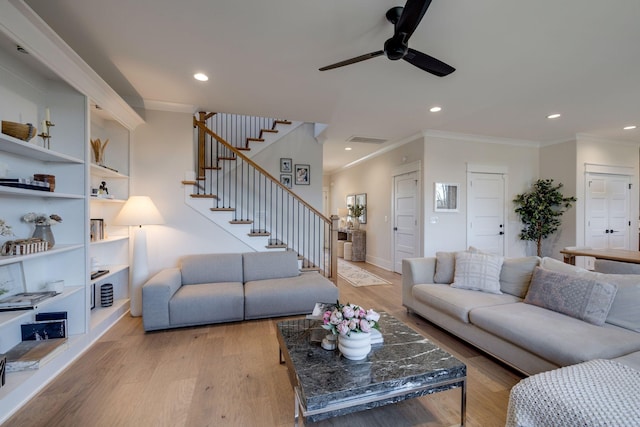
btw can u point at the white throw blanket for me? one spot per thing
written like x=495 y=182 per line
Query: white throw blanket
x=595 y=393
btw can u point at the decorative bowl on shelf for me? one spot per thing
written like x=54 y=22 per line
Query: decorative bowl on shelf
x=18 y=130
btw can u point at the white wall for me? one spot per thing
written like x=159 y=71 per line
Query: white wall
x=163 y=150
x=446 y=160
x=558 y=162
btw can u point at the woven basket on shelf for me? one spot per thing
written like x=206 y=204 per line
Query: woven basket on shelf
x=18 y=130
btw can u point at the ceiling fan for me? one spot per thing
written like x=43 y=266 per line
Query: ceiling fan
x=405 y=20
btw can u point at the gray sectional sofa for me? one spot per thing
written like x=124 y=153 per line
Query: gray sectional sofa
x=214 y=288
x=527 y=317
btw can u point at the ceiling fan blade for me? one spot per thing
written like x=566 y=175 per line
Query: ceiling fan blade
x=428 y=63
x=411 y=16
x=353 y=60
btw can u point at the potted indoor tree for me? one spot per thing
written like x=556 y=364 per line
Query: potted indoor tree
x=540 y=210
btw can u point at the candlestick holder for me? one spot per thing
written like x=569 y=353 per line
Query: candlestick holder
x=46 y=136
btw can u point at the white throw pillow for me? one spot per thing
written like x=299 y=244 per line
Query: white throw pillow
x=478 y=272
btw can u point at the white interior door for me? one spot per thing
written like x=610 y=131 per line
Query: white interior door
x=485 y=218
x=406 y=235
x=607 y=211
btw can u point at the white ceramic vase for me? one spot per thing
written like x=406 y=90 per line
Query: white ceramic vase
x=356 y=346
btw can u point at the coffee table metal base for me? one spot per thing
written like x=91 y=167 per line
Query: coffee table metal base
x=362 y=402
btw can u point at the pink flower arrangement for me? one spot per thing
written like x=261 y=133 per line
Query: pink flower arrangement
x=348 y=318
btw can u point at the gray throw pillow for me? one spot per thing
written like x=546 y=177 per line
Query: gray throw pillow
x=445 y=266
x=516 y=274
x=579 y=297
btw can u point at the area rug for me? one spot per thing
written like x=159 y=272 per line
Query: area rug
x=356 y=276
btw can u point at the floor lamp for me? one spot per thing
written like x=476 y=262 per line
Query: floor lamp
x=138 y=211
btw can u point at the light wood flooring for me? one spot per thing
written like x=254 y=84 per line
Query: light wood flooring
x=229 y=375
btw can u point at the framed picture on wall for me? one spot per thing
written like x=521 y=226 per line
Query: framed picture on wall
x=285 y=179
x=285 y=165
x=361 y=199
x=303 y=175
x=446 y=197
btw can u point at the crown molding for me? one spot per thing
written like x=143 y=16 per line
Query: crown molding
x=429 y=133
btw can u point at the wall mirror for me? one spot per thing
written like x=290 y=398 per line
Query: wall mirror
x=361 y=199
x=446 y=197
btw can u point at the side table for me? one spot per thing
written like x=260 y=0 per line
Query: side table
x=359 y=248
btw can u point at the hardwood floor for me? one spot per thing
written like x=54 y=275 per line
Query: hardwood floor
x=229 y=375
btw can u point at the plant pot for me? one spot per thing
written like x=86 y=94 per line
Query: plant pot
x=356 y=346
x=44 y=232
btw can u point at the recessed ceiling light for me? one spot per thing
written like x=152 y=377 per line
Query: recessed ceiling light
x=629 y=127
x=435 y=109
x=200 y=76
x=347 y=148
x=553 y=116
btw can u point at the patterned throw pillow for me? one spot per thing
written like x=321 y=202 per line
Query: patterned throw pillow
x=580 y=297
x=478 y=272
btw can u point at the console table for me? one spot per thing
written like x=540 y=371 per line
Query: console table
x=358 y=238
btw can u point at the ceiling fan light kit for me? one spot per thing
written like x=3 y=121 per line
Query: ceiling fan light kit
x=405 y=21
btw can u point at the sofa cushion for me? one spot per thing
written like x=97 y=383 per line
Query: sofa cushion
x=558 y=338
x=270 y=265
x=445 y=267
x=516 y=274
x=624 y=310
x=579 y=297
x=295 y=295
x=211 y=268
x=457 y=302
x=478 y=271
x=207 y=303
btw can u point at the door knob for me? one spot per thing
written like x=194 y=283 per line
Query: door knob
x=501 y=233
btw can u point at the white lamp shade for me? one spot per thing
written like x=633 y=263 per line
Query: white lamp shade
x=342 y=212
x=139 y=210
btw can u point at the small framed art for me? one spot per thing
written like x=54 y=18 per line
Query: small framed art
x=285 y=165
x=285 y=179
x=303 y=175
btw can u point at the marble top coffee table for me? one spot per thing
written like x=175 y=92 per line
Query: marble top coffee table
x=404 y=366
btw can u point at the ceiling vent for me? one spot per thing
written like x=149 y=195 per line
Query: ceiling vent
x=366 y=140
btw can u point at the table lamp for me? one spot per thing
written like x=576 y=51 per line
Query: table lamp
x=138 y=210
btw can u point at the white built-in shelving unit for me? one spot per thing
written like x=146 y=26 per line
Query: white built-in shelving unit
x=52 y=76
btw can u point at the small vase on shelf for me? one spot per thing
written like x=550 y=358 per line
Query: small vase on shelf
x=355 y=346
x=44 y=232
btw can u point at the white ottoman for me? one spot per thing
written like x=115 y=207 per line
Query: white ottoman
x=341 y=248
x=348 y=247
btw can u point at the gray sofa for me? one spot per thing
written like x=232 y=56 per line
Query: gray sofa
x=529 y=337
x=214 y=288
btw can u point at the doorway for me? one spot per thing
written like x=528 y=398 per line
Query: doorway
x=486 y=211
x=607 y=224
x=406 y=214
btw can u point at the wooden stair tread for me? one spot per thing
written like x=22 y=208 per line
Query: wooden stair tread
x=270 y=130
x=228 y=158
x=190 y=182
x=259 y=233
x=204 y=196
x=310 y=269
x=243 y=148
x=241 y=221
x=255 y=139
x=215 y=168
x=222 y=209
x=276 y=246
x=282 y=122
